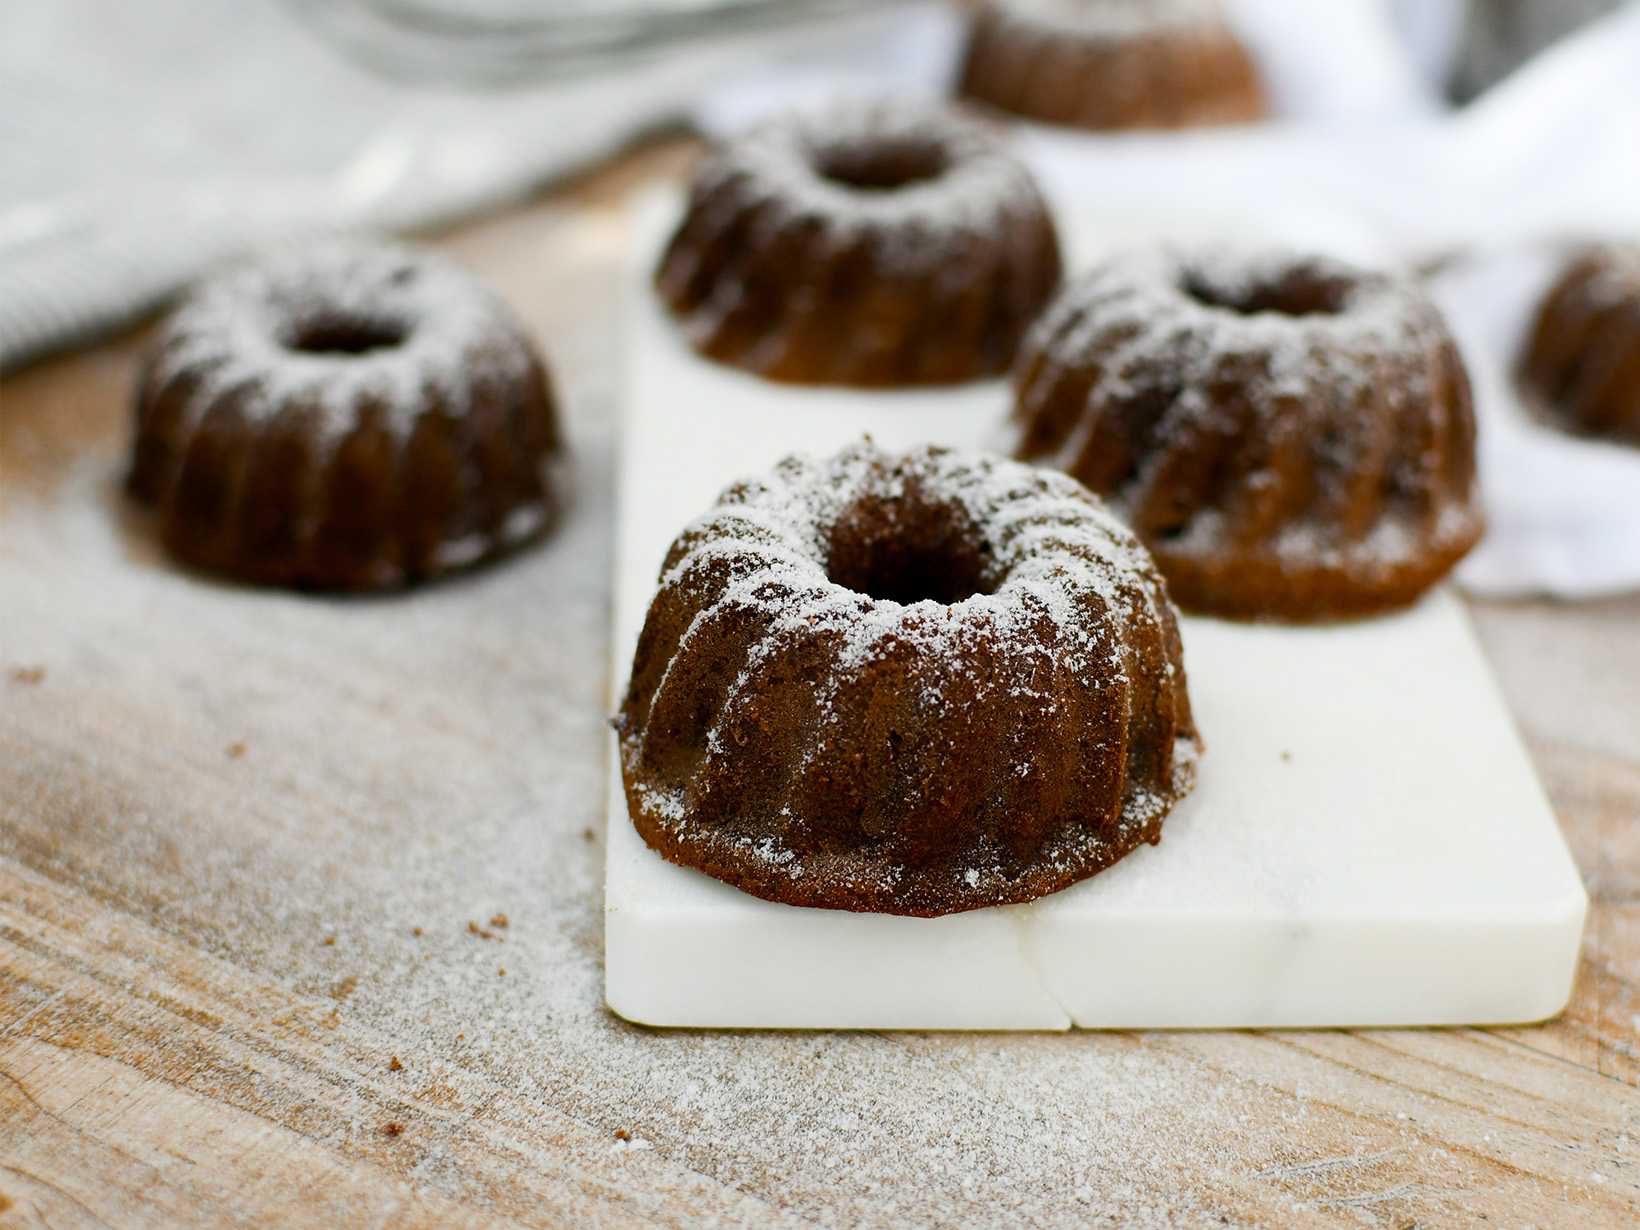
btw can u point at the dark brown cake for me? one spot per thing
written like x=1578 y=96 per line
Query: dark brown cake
x=1109 y=64
x=867 y=245
x=352 y=417
x=912 y=685
x=1291 y=437
x=1583 y=360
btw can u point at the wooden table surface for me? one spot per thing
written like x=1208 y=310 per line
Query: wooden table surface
x=252 y=844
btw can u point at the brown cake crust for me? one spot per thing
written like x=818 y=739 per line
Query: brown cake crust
x=1583 y=359
x=1111 y=64
x=910 y=685
x=872 y=244
x=1293 y=438
x=349 y=417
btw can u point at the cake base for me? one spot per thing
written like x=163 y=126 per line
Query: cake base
x=1366 y=844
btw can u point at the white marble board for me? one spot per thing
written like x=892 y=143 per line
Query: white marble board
x=1366 y=844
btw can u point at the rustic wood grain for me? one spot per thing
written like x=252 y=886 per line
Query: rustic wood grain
x=243 y=836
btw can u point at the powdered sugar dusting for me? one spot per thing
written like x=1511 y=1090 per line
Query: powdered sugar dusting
x=1024 y=515
x=970 y=194
x=441 y=334
x=1255 y=409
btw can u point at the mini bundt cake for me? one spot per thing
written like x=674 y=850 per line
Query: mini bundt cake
x=1292 y=438
x=351 y=417
x=1109 y=64
x=871 y=244
x=1583 y=360
x=911 y=685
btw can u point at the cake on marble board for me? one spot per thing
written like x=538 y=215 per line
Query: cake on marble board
x=913 y=684
x=1291 y=436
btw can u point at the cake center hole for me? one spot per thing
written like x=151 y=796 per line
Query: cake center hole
x=881 y=166
x=907 y=550
x=346 y=335
x=1299 y=294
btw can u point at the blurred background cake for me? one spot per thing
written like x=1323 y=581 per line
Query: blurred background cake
x=1582 y=362
x=1111 y=63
